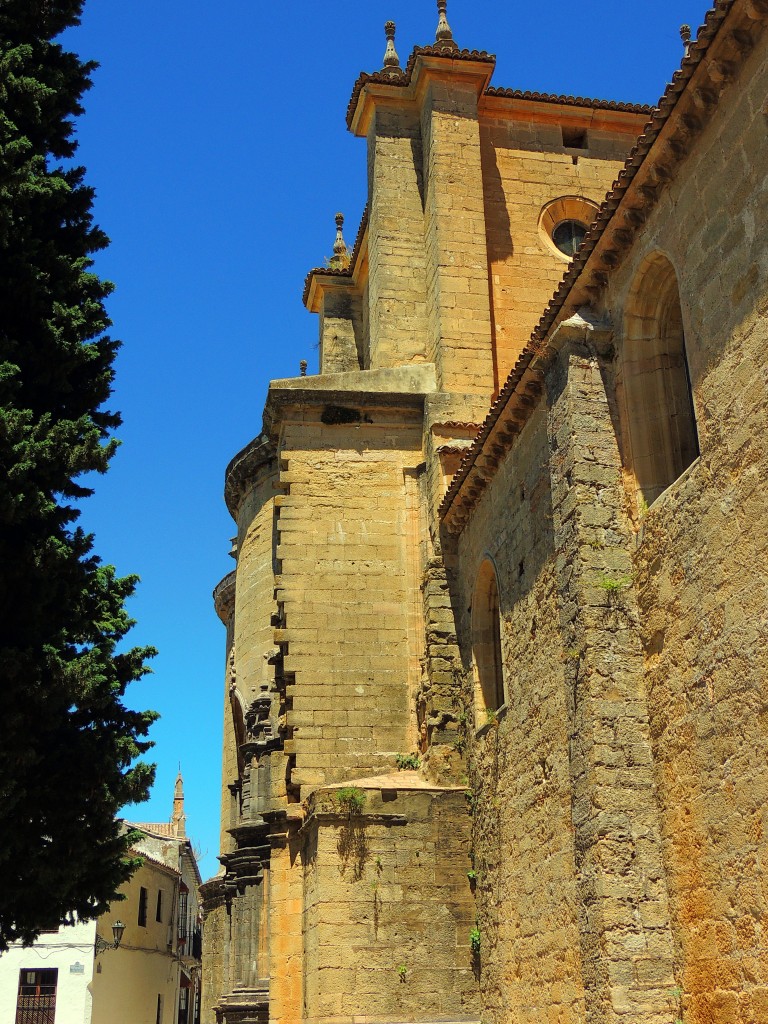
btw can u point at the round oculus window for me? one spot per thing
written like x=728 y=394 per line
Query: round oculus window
x=568 y=236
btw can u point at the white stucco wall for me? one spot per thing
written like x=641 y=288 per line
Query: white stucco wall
x=66 y=950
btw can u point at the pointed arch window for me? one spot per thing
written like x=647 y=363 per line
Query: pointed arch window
x=486 y=640
x=658 y=399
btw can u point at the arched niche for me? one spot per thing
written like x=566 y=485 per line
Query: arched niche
x=486 y=640
x=662 y=440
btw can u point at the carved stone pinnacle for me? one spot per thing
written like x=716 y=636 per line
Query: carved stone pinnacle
x=391 y=59
x=339 y=246
x=443 y=36
x=685 y=35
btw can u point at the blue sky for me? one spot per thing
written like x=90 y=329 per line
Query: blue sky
x=215 y=138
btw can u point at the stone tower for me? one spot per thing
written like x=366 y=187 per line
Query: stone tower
x=460 y=773
x=344 y=888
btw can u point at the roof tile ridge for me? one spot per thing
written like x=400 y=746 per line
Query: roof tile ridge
x=576 y=101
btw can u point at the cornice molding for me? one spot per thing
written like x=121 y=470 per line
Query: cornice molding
x=239 y=474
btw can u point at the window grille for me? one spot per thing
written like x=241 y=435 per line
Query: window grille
x=183 y=905
x=36 y=1002
x=143 y=896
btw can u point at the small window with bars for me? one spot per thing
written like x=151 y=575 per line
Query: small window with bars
x=159 y=908
x=143 y=897
x=36 y=1001
x=183 y=912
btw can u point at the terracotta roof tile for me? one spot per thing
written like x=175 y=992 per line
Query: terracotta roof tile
x=158 y=828
x=571 y=101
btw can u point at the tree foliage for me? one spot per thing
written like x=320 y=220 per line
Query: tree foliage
x=68 y=743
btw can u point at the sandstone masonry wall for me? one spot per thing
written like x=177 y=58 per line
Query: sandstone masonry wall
x=348 y=560
x=388 y=906
x=525 y=166
x=396 y=298
x=520 y=781
x=700 y=560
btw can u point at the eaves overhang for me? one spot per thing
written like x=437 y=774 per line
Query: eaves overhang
x=257 y=456
x=396 y=86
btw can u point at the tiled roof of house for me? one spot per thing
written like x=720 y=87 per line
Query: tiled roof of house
x=157 y=828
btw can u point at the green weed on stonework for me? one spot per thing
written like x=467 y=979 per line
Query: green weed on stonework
x=614 y=584
x=351 y=799
x=407 y=762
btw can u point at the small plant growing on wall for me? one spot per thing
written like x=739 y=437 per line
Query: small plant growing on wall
x=407 y=762
x=676 y=998
x=402 y=972
x=614 y=585
x=474 y=940
x=350 y=799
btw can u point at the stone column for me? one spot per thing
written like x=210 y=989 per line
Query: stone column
x=626 y=943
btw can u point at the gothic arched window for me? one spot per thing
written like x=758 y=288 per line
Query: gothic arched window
x=486 y=641
x=660 y=418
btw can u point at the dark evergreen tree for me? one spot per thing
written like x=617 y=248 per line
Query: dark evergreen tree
x=68 y=743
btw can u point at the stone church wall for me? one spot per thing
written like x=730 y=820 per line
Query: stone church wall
x=700 y=561
x=349 y=589
x=519 y=774
x=388 y=907
x=626 y=770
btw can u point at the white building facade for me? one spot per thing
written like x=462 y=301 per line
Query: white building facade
x=50 y=981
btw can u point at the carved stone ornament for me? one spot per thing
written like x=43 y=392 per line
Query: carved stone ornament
x=391 y=59
x=444 y=36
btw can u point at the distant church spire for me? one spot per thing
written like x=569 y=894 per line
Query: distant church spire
x=179 y=818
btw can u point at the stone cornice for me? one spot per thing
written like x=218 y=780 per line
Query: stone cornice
x=399 y=387
x=725 y=39
x=238 y=475
x=395 y=84
x=224 y=597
